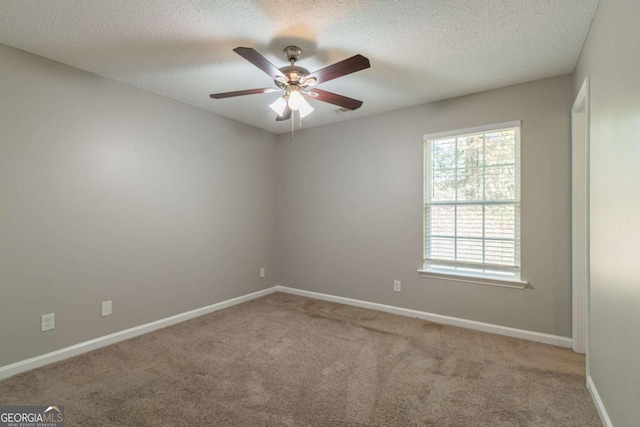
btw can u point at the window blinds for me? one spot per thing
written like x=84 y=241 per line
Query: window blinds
x=472 y=200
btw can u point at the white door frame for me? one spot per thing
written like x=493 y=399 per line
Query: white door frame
x=580 y=219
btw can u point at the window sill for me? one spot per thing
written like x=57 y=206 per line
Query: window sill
x=478 y=279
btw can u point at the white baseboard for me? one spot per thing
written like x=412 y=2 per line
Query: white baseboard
x=86 y=346
x=437 y=318
x=602 y=411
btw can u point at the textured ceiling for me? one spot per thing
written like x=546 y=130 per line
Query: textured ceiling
x=420 y=50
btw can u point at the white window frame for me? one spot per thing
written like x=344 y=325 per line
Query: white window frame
x=485 y=274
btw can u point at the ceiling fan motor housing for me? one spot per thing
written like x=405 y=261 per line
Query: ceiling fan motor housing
x=294 y=73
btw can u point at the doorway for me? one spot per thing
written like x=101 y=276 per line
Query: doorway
x=580 y=220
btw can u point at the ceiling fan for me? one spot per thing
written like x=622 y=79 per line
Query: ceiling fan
x=297 y=82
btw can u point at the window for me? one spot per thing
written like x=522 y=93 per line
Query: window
x=472 y=203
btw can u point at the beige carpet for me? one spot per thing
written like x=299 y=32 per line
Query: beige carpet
x=284 y=360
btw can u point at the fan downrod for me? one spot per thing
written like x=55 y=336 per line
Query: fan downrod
x=294 y=74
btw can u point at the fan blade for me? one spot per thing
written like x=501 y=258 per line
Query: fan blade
x=339 y=69
x=286 y=115
x=259 y=61
x=241 y=93
x=335 y=99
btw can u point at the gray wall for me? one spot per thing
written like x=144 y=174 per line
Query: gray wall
x=109 y=192
x=350 y=208
x=611 y=57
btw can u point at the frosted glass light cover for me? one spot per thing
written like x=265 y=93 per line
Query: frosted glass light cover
x=298 y=103
x=295 y=100
x=305 y=109
x=279 y=105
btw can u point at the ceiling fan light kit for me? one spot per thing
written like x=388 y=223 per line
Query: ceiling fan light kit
x=297 y=83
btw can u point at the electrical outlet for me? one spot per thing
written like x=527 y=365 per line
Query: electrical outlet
x=262 y=272
x=106 y=308
x=397 y=286
x=47 y=322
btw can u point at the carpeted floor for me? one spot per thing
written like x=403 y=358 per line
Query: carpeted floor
x=284 y=360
